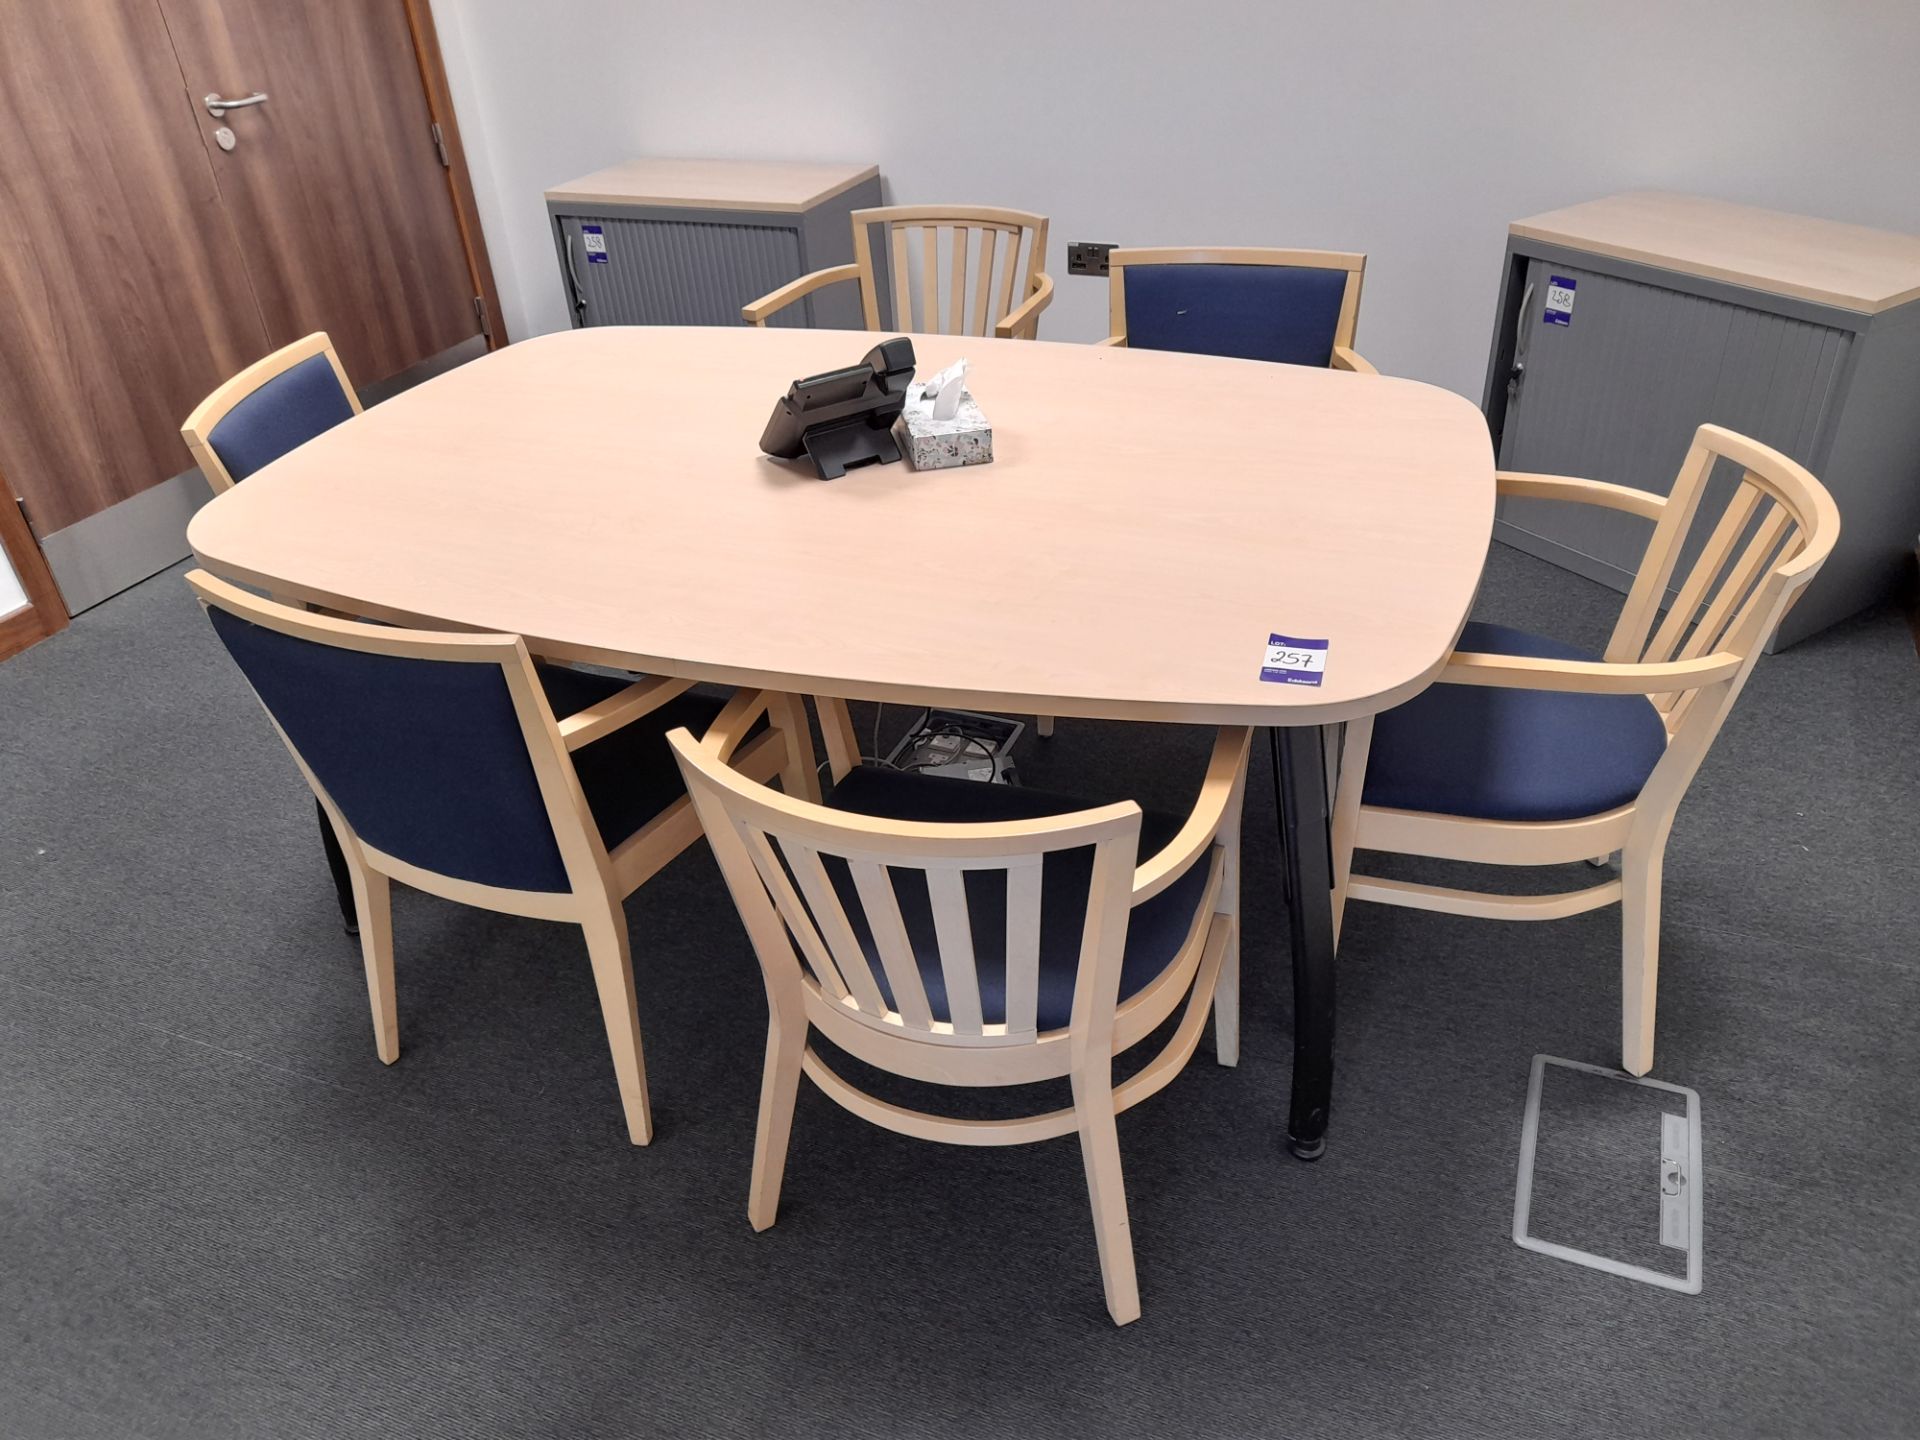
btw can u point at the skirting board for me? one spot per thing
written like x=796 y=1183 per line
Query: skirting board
x=425 y=370
x=1567 y=558
x=98 y=557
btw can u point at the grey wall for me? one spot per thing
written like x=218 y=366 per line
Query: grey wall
x=1411 y=129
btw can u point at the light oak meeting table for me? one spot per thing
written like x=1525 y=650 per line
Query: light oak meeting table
x=1149 y=522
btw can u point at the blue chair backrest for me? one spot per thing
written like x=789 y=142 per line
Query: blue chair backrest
x=425 y=758
x=1285 y=313
x=299 y=403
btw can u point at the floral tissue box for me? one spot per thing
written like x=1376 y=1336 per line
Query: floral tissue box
x=966 y=439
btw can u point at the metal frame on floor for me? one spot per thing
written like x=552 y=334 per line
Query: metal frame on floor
x=1688 y=1180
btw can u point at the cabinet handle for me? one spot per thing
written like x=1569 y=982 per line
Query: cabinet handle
x=1517 y=369
x=573 y=276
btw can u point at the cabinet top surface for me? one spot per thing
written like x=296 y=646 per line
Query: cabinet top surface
x=1825 y=261
x=715 y=184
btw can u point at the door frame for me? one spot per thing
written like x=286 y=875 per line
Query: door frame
x=466 y=207
x=44 y=614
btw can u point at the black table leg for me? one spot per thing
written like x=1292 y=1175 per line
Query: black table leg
x=1299 y=767
x=337 y=863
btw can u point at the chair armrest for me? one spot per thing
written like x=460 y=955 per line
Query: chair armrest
x=1026 y=317
x=1345 y=359
x=759 y=310
x=622 y=708
x=1592 y=677
x=730 y=726
x=1584 y=492
x=1112 y=340
x=1225 y=770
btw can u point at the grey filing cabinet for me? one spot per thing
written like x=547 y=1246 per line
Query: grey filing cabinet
x=1802 y=333
x=688 y=242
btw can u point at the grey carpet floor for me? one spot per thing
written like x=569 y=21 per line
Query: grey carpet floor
x=220 y=1216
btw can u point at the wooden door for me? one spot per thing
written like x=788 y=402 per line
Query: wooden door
x=337 y=192
x=123 y=296
x=142 y=262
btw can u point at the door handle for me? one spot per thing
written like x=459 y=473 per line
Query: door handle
x=217 y=107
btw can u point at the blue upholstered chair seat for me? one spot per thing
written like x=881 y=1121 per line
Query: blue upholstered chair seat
x=1492 y=753
x=1155 y=930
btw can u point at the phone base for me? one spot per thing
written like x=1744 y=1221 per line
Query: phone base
x=843 y=445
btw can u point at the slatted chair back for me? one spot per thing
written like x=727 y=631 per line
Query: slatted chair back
x=978 y=953
x=439 y=750
x=852 y=901
x=1776 y=529
x=951 y=269
x=1687 y=639
x=276 y=404
x=1297 y=307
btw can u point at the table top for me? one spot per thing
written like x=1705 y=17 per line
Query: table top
x=714 y=184
x=1825 y=261
x=1148 y=521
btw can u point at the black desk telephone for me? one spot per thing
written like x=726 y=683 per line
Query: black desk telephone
x=844 y=418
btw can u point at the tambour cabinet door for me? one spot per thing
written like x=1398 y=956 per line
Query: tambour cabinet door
x=676 y=272
x=1616 y=392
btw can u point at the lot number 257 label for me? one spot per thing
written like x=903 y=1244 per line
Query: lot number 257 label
x=1292 y=661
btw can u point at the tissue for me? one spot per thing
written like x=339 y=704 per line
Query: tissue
x=946 y=390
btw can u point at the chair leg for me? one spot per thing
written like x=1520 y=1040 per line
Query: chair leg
x=779 y=1090
x=836 y=730
x=1226 y=1000
x=373 y=902
x=1106 y=1189
x=1352 y=772
x=608 y=949
x=800 y=774
x=1044 y=724
x=1640 y=954
x=337 y=864
x=1226 y=993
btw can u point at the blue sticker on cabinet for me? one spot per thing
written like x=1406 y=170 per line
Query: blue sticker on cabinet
x=1559 y=309
x=594 y=238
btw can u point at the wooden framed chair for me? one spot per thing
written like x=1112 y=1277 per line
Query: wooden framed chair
x=274 y=405
x=1531 y=752
x=450 y=763
x=988 y=261
x=1296 y=307
x=978 y=935
x=277 y=404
